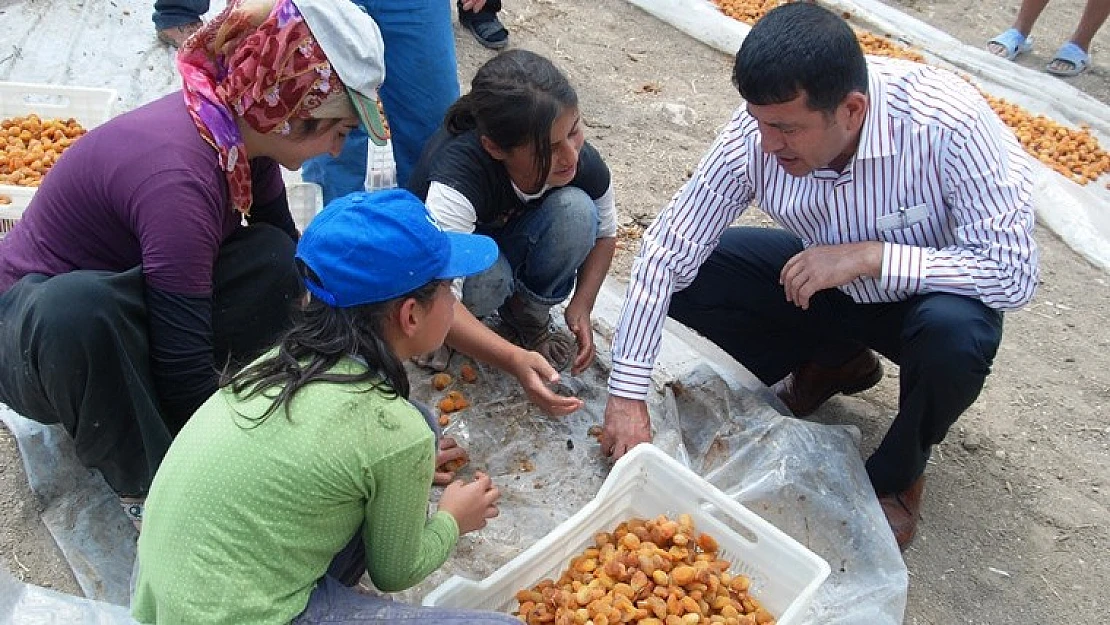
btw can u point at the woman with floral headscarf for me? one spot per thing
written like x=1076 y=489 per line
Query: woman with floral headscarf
x=159 y=249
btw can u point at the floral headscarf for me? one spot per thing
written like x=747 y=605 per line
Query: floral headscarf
x=258 y=64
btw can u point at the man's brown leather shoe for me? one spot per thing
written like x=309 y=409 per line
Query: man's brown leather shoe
x=811 y=384
x=902 y=511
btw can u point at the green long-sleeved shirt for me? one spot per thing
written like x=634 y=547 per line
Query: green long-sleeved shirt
x=241 y=522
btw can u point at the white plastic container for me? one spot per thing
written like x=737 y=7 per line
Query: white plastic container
x=306 y=200
x=381 y=169
x=646 y=483
x=89 y=106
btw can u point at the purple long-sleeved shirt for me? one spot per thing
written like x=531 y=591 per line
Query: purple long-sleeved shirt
x=143 y=188
x=146 y=189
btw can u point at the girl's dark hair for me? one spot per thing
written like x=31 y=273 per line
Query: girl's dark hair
x=514 y=99
x=800 y=47
x=321 y=336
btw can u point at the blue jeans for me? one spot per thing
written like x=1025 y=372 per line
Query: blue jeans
x=170 y=13
x=420 y=85
x=943 y=343
x=333 y=603
x=541 y=251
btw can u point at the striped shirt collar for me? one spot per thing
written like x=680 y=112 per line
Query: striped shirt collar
x=875 y=139
x=875 y=136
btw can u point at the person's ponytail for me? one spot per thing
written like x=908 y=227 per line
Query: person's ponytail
x=460 y=117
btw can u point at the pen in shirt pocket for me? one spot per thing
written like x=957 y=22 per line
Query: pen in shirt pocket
x=903 y=218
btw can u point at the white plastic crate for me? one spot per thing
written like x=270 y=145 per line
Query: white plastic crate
x=306 y=200
x=646 y=483
x=89 y=106
x=8 y=218
x=381 y=169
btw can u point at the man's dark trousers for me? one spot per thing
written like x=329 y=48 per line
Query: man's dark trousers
x=943 y=343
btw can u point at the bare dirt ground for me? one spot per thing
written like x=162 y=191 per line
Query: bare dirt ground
x=1018 y=499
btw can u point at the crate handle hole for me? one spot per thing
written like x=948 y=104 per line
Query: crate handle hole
x=713 y=510
x=46 y=100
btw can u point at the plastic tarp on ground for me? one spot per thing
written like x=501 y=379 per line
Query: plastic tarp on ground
x=807 y=479
x=1079 y=214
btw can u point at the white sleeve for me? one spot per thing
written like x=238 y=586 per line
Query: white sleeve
x=674 y=247
x=607 y=214
x=451 y=209
x=454 y=213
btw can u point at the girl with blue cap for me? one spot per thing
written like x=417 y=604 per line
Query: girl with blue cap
x=310 y=466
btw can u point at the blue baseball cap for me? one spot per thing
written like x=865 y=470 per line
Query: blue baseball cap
x=372 y=247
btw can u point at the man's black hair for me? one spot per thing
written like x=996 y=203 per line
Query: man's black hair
x=800 y=47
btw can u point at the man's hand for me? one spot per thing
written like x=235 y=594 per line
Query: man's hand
x=473 y=5
x=828 y=266
x=536 y=377
x=448 y=452
x=627 y=424
x=578 y=321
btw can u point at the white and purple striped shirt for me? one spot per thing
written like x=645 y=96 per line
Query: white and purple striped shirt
x=937 y=177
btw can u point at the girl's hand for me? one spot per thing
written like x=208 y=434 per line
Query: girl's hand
x=578 y=321
x=449 y=452
x=473 y=5
x=536 y=376
x=471 y=503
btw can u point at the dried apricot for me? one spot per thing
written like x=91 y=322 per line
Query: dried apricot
x=636 y=574
x=458 y=400
x=468 y=373
x=29 y=146
x=454 y=465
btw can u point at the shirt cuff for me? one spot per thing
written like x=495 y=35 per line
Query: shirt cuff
x=446 y=526
x=630 y=380
x=903 y=268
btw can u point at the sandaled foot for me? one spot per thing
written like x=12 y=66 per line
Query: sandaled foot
x=1070 y=60
x=530 y=326
x=557 y=348
x=488 y=31
x=1010 y=45
x=176 y=36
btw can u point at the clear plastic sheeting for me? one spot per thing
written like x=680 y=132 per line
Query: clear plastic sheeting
x=32 y=605
x=80 y=510
x=712 y=414
x=708 y=412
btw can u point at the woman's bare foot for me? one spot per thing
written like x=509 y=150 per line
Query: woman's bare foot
x=176 y=36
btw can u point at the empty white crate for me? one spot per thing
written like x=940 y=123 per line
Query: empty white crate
x=89 y=106
x=646 y=483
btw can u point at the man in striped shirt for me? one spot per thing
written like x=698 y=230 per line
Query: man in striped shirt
x=906 y=229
